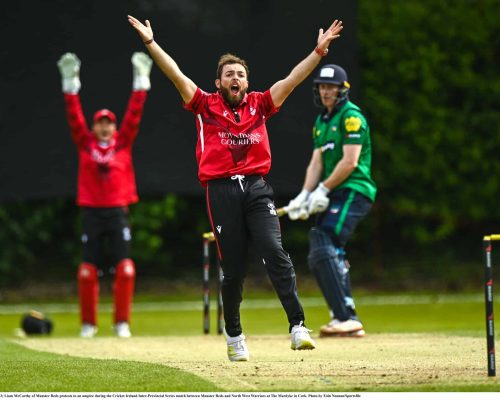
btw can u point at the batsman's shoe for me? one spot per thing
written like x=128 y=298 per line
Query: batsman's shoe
x=356 y=334
x=122 y=330
x=301 y=340
x=237 y=349
x=348 y=328
x=88 y=331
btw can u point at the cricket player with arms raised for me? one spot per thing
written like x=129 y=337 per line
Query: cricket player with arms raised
x=234 y=157
x=106 y=187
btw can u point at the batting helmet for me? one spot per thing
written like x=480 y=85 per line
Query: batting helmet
x=334 y=75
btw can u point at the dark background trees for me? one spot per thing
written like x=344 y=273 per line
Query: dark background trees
x=427 y=77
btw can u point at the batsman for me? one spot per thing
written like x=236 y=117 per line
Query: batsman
x=339 y=189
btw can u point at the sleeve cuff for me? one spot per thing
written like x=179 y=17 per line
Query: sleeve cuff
x=141 y=83
x=71 y=85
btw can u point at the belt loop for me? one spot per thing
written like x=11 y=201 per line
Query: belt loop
x=240 y=180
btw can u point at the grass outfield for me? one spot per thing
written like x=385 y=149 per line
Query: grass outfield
x=413 y=343
x=24 y=370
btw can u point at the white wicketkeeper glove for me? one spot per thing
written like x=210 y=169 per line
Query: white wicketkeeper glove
x=297 y=208
x=318 y=200
x=141 y=64
x=69 y=67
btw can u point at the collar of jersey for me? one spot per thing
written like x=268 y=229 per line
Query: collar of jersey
x=111 y=142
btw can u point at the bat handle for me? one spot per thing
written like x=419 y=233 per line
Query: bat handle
x=282 y=211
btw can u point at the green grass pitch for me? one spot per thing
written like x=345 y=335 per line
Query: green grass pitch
x=169 y=352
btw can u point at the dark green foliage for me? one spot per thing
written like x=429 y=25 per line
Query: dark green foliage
x=167 y=235
x=34 y=235
x=41 y=240
x=432 y=92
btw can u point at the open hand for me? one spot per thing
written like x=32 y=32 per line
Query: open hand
x=144 y=31
x=332 y=33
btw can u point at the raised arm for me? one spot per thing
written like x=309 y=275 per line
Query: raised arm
x=69 y=68
x=282 y=89
x=185 y=86
x=141 y=69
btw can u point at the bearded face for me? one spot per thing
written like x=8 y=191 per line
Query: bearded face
x=233 y=83
x=233 y=95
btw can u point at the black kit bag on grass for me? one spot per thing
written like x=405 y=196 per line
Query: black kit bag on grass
x=35 y=323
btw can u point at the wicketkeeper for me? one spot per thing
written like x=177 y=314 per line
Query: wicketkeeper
x=339 y=188
x=106 y=187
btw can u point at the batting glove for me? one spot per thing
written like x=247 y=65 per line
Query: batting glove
x=141 y=64
x=318 y=200
x=301 y=213
x=69 y=68
x=297 y=208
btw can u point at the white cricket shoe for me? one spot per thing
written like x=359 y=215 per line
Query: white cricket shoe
x=348 y=328
x=237 y=349
x=88 y=331
x=301 y=340
x=122 y=330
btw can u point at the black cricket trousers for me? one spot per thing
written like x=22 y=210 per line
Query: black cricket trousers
x=106 y=235
x=241 y=209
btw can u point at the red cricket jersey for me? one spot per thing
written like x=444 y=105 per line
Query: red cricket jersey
x=226 y=147
x=105 y=174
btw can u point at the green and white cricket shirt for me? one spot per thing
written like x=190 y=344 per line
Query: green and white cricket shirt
x=346 y=126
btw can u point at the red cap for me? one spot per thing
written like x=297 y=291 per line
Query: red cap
x=104 y=113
